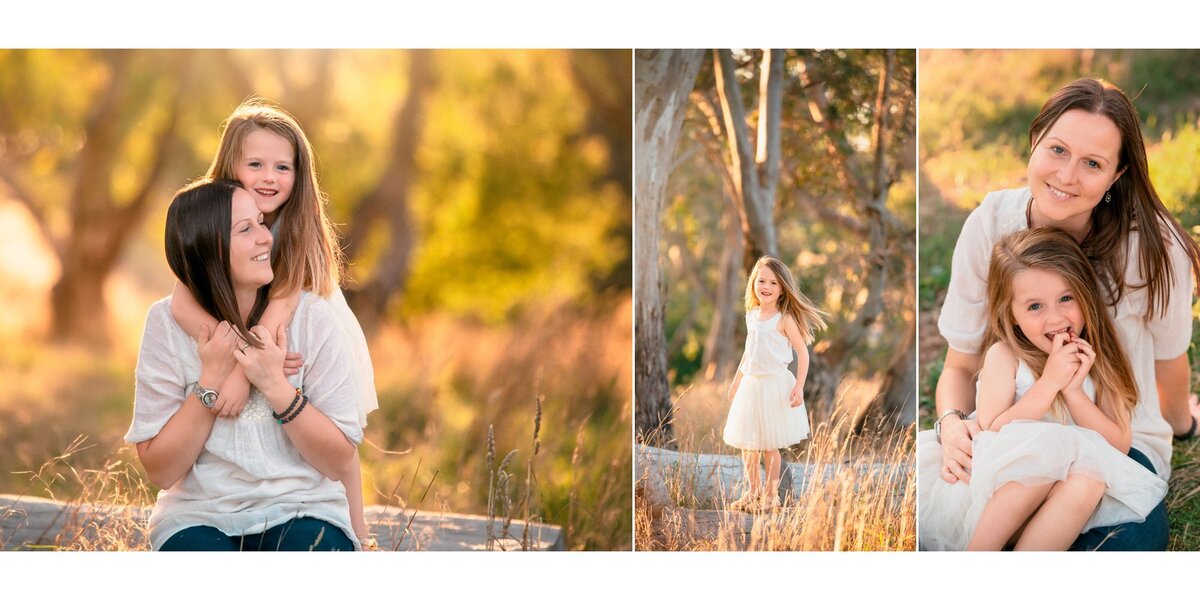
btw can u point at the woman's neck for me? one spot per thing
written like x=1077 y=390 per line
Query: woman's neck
x=1078 y=227
x=768 y=310
x=245 y=301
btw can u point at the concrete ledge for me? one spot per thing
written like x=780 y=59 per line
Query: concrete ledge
x=32 y=523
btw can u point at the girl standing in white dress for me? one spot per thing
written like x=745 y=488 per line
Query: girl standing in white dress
x=1055 y=400
x=766 y=409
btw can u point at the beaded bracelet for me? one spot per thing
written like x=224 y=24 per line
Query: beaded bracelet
x=303 y=403
x=287 y=410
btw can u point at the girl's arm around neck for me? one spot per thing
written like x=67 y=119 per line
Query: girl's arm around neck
x=996 y=402
x=1087 y=414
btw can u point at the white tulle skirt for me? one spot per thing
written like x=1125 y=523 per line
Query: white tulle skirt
x=761 y=417
x=1030 y=453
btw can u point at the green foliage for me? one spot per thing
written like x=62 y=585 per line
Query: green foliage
x=828 y=260
x=974 y=130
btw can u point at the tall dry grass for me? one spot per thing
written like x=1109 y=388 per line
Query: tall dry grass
x=860 y=495
x=441 y=383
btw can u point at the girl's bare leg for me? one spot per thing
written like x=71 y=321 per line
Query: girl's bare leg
x=1009 y=508
x=750 y=462
x=753 y=484
x=770 y=491
x=1060 y=519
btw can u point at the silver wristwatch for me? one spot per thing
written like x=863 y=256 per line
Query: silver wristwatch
x=206 y=396
x=937 y=425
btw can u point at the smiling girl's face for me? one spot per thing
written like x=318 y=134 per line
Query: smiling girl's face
x=766 y=287
x=267 y=169
x=1043 y=306
x=1071 y=168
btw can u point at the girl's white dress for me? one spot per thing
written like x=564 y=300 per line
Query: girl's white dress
x=761 y=416
x=1031 y=453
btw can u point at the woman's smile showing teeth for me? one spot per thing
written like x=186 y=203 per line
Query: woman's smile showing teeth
x=262 y=257
x=1057 y=193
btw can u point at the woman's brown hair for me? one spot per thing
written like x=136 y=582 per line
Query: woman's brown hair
x=1135 y=205
x=197 y=241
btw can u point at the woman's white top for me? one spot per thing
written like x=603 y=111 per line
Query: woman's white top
x=1145 y=335
x=767 y=351
x=362 y=371
x=249 y=477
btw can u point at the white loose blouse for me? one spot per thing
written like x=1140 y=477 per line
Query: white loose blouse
x=1146 y=335
x=249 y=477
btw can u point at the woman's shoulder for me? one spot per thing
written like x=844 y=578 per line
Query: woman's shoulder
x=1002 y=210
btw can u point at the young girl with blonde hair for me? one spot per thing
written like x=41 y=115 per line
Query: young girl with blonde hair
x=264 y=148
x=1055 y=401
x=766 y=409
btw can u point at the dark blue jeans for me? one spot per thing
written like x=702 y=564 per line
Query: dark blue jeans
x=297 y=535
x=1150 y=534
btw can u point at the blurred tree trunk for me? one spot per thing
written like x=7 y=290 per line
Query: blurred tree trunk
x=755 y=172
x=886 y=236
x=721 y=355
x=663 y=79
x=388 y=205
x=606 y=79
x=100 y=222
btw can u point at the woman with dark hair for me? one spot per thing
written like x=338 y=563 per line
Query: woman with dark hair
x=267 y=479
x=1087 y=175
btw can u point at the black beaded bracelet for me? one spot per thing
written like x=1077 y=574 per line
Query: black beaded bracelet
x=287 y=410
x=298 y=409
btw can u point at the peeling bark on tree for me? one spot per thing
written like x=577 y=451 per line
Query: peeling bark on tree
x=663 y=79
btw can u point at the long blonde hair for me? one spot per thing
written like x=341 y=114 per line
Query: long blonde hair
x=1055 y=251
x=792 y=303
x=307 y=255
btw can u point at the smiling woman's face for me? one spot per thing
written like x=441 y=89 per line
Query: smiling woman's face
x=1071 y=168
x=249 y=244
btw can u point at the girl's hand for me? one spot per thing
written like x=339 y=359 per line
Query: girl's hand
x=797 y=396
x=235 y=393
x=1087 y=358
x=264 y=366
x=1063 y=362
x=292 y=362
x=216 y=354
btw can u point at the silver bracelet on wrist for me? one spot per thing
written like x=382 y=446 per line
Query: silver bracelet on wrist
x=937 y=425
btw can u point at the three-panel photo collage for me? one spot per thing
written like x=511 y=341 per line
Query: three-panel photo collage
x=730 y=300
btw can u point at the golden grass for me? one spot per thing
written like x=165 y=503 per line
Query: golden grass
x=866 y=500
x=441 y=384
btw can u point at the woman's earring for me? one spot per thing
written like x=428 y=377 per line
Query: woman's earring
x=1108 y=196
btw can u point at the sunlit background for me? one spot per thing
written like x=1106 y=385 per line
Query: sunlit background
x=975 y=109
x=499 y=182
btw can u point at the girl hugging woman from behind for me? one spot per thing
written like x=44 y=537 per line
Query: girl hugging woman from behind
x=265 y=150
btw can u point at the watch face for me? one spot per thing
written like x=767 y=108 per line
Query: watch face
x=207 y=397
